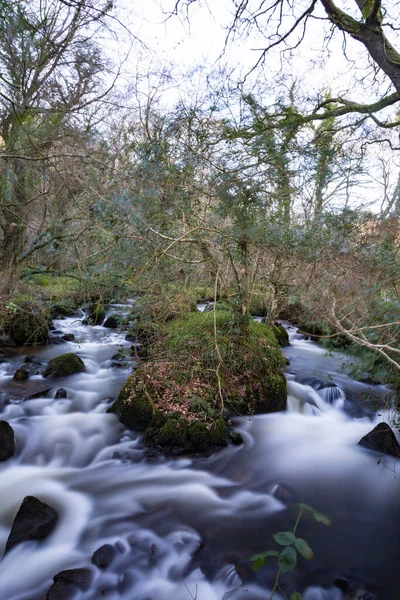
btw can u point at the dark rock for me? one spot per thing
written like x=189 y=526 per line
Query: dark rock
x=381 y=439
x=112 y=322
x=67 y=583
x=55 y=340
x=24 y=390
x=28 y=324
x=34 y=520
x=64 y=365
x=7 y=443
x=104 y=556
x=68 y=337
x=61 y=393
x=80 y=578
x=97 y=314
x=284 y=493
x=126 y=582
x=32 y=359
x=236 y=438
x=150 y=453
x=21 y=374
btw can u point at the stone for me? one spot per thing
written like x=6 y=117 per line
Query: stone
x=104 y=556
x=112 y=322
x=35 y=520
x=61 y=393
x=381 y=439
x=21 y=374
x=236 y=438
x=24 y=390
x=27 y=324
x=68 y=337
x=67 y=583
x=97 y=314
x=7 y=442
x=64 y=365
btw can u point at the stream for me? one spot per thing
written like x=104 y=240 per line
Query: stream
x=184 y=528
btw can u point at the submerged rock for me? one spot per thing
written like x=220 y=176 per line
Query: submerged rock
x=68 y=337
x=60 y=393
x=381 y=439
x=104 y=556
x=34 y=520
x=64 y=365
x=7 y=442
x=24 y=390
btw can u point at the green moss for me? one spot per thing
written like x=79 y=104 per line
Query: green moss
x=281 y=335
x=62 y=308
x=206 y=435
x=64 y=365
x=26 y=322
x=97 y=314
x=133 y=406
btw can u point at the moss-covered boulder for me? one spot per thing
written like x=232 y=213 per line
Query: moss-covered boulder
x=64 y=365
x=97 y=314
x=26 y=323
x=281 y=334
x=62 y=308
x=192 y=377
x=112 y=322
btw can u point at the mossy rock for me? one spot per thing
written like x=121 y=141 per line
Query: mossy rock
x=27 y=323
x=97 y=314
x=176 y=396
x=219 y=305
x=62 y=308
x=281 y=335
x=64 y=365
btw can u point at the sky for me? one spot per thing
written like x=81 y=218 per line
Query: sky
x=197 y=44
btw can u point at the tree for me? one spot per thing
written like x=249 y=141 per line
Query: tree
x=51 y=72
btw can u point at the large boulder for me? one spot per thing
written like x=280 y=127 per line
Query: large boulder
x=21 y=374
x=381 y=439
x=64 y=365
x=67 y=583
x=7 y=442
x=34 y=520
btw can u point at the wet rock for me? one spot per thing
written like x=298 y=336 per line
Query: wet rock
x=64 y=365
x=104 y=556
x=61 y=393
x=55 y=340
x=150 y=453
x=7 y=442
x=112 y=322
x=32 y=359
x=68 y=337
x=126 y=582
x=236 y=438
x=381 y=439
x=97 y=314
x=24 y=390
x=21 y=374
x=284 y=493
x=34 y=520
x=67 y=583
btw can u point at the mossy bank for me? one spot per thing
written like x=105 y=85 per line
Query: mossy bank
x=202 y=368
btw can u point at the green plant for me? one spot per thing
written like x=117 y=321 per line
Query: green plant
x=287 y=558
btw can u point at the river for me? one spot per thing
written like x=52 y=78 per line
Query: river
x=185 y=527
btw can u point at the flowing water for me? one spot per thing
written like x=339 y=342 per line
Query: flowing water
x=185 y=528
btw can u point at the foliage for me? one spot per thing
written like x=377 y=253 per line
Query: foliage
x=292 y=547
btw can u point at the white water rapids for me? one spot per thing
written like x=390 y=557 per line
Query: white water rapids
x=185 y=528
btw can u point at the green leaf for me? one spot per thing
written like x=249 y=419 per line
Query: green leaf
x=285 y=538
x=287 y=559
x=307 y=508
x=304 y=548
x=260 y=559
x=296 y=596
x=321 y=518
